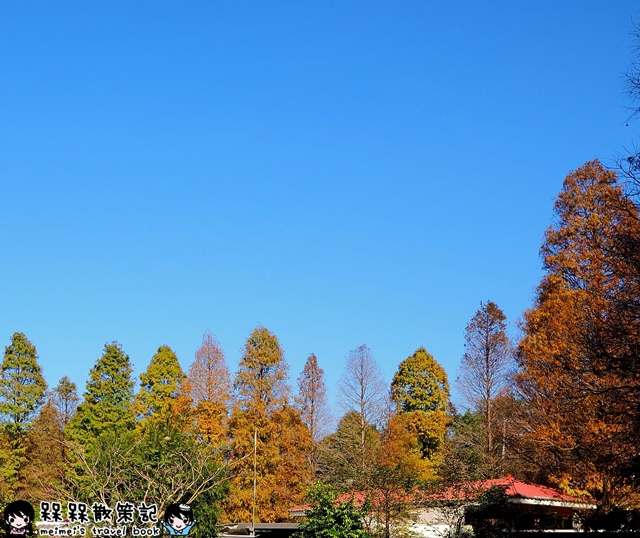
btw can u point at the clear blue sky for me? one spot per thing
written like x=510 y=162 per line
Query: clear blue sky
x=338 y=172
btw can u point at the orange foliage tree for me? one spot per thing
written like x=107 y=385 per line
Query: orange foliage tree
x=207 y=390
x=420 y=391
x=45 y=459
x=579 y=354
x=282 y=441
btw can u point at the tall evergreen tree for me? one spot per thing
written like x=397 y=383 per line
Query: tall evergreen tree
x=420 y=390
x=22 y=391
x=107 y=403
x=159 y=386
x=101 y=430
x=22 y=386
x=262 y=417
x=43 y=471
x=208 y=388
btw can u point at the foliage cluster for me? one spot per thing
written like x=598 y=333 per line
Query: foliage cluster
x=330 y=517
x=202 y=438
x=578 y=377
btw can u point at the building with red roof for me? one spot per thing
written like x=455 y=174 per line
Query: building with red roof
x=435 y=515
x=534 y=502
x=520 y=492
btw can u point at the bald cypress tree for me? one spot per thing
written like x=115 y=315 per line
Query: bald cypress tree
x=486 y=371
x=283 y=442
x=208 y=390
x=107 y=403
x=579 y=354
x=65 y=399
x=159 y=386
x=22 y=386
x=22 y=390
x=420 y=390
x=311 y=403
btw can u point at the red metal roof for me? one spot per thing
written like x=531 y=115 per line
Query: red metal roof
x=517 y=490
x=513 y=488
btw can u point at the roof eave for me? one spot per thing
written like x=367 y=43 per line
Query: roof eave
x=575 y=505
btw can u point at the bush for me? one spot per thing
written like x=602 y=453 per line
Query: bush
x=329 y=518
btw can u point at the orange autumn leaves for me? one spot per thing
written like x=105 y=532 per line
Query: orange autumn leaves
x=578 y=358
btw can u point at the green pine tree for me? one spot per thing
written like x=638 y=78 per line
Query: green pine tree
x=107 y=404
x=159 y=385
x=22 y=390
x=22 y=386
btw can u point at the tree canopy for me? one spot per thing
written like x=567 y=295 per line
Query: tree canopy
x=159 y=385
x=581 y=340
x=420 y=384
x=420 y=391
x=22 y=385
x=208 y=388
x=486 y=373
x=107 y=403
x=264 y=426
x=311 y=403
x=22 y=392
x=329 y=517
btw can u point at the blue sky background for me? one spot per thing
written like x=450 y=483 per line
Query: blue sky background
x=339 y=172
